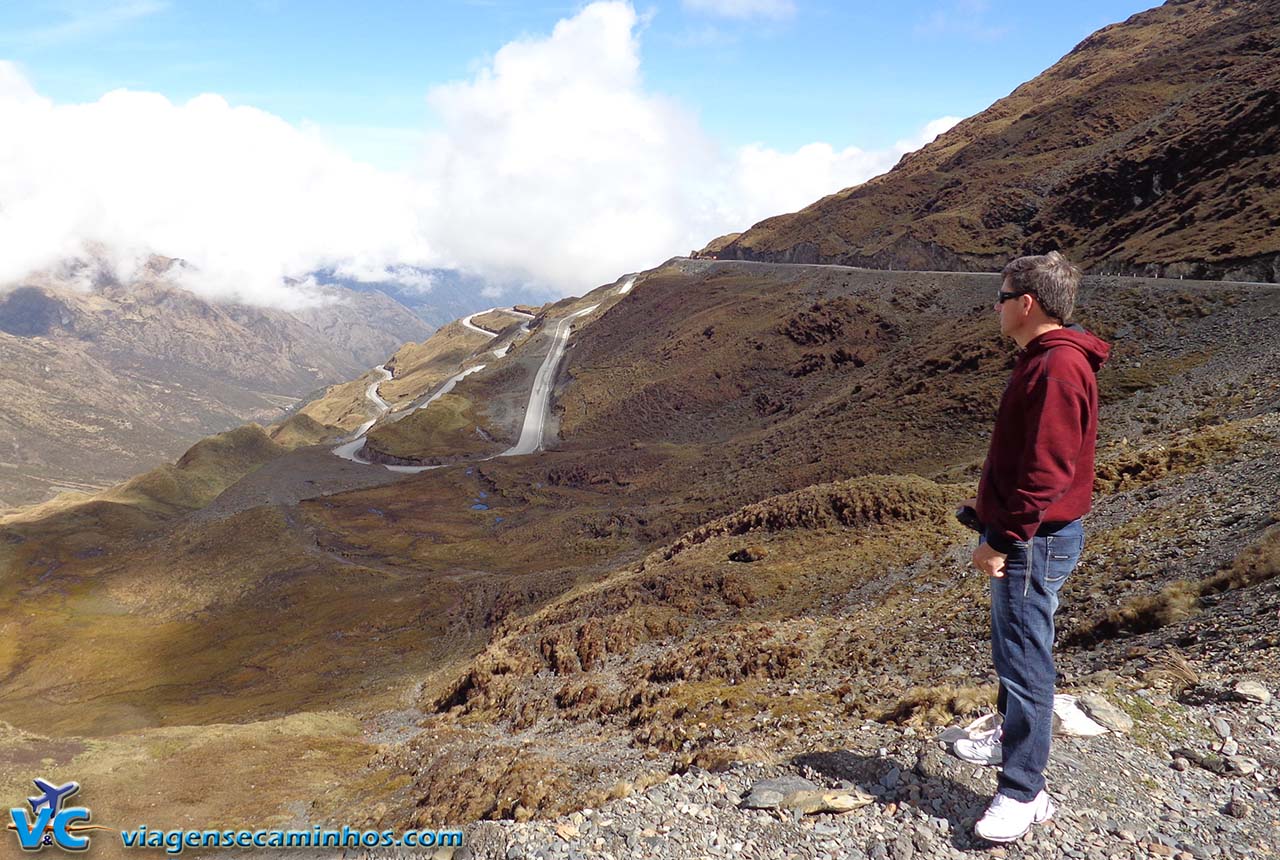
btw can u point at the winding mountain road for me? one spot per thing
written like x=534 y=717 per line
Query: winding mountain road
x=350 y=450
x=535 y=413
x=500 y=352
x=467 y=322
x=347 y=450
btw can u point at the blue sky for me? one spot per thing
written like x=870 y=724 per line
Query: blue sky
x=859 y=73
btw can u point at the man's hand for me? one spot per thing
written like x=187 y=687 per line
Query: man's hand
x=989 y=561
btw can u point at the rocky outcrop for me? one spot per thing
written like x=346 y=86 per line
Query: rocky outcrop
x=31 y=312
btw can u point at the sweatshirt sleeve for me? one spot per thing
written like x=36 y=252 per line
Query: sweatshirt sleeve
x=1057 y=409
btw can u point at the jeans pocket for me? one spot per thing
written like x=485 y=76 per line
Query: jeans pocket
x=1063 y=554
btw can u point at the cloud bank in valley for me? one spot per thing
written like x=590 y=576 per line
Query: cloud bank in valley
x=244 y=196
x=552 y=164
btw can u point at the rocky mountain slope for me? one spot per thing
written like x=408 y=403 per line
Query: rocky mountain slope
x=1150 y=148
x=364 y=325
x=772 y=589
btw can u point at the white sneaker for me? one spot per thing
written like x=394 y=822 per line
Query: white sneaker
x=1006 y=819
x=980 y=728
x=983 y=750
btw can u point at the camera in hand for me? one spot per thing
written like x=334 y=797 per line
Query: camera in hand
x=969 y=517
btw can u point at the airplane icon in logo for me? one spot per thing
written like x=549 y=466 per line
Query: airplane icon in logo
x=53 y=797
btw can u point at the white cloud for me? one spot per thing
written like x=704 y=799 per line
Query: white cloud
x=743 y=8
x=967 y=19
x=769 y=182
x=555 y=160
x=931 y=129
x=246 y=197
x=552 y=164
x=772 y=182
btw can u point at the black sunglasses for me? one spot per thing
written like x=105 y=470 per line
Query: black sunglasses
x=1002 y=296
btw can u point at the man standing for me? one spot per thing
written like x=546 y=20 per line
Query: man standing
x=1037 y=482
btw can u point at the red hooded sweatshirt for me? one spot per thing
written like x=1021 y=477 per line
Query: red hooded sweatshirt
x=1039 y=468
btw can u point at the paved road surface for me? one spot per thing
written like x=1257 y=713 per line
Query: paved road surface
x=535 y=415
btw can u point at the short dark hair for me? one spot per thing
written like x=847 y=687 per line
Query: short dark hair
x=1050 y=278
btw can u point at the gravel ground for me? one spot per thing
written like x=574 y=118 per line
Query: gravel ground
x=1119 y=797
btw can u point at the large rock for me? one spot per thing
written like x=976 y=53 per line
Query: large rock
x=1242 y=765
x=770 y=793
x=1070 y=719
x=802 y=796
x=1101 y=711
x=1252 y=691
x=836 y=801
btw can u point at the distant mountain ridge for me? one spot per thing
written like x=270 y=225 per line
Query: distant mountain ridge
x=1150 y=148
x=451 y=294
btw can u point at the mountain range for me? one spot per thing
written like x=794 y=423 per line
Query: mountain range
x=743 y=511
x=440 y=296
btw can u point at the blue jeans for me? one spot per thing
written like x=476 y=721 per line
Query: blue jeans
x=1023 y=602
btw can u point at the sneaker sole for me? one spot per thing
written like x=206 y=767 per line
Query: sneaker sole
x=976 y=761
x=1050 y=809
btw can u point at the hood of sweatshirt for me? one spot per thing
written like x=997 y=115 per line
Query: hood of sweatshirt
x=1095 y=349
